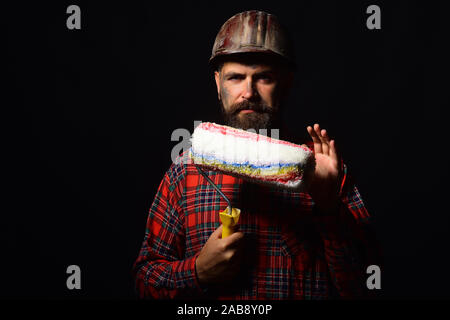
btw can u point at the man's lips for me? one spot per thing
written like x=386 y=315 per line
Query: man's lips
x=247 y=111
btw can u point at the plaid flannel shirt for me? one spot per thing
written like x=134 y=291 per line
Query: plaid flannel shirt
x=292 y=250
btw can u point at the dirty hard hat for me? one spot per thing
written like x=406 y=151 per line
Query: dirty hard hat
x=253 y=32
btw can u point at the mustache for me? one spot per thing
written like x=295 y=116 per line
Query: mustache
x=264 y=117
x=250 y=105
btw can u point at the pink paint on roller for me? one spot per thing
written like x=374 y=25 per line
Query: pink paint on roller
x=251 y=156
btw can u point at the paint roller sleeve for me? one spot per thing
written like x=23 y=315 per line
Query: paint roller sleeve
x=251 y=156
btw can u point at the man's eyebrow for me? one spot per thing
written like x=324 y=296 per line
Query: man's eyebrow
x=265 y=72
x=262 y=73
x=231 y=74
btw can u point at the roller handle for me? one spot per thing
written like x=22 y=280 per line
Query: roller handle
x=229 y=217
x=215 y=187
x=227 y=230
x=229 y=221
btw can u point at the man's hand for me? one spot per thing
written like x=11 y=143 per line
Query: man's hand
x=220 y=259
x=324 y=186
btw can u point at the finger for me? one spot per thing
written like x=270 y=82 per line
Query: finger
x=217 y=234
x=235 y=228
x=315 y=139
x=325 y=141
x=236 y=258
x=318 y=131
x=232 y=257
x=333 y=151
x=233 y=239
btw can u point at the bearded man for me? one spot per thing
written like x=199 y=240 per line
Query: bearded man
x=315 y=244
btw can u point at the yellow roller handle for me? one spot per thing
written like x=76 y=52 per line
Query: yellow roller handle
x=229 y=221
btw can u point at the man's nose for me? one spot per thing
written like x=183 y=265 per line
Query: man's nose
x=249 y=90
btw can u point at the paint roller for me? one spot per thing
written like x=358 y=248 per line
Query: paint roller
x=250 y=156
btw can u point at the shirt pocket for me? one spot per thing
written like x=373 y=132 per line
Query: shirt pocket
x=299 y=240
x=290 y=244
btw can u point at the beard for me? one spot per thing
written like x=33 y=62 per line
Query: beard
x=263 y=117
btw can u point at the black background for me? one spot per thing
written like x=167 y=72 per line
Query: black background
x=88 y=114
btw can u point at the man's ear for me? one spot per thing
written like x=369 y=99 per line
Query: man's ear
x=217 y=78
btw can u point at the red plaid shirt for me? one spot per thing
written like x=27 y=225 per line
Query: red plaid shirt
x=292 y=251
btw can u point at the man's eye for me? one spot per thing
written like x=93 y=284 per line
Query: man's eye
x=266 y=78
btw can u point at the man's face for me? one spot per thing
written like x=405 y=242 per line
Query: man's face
x=249 y=94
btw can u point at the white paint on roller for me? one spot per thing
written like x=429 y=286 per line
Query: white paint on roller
x=240 y=150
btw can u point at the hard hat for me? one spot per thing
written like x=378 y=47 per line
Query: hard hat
x=253 y=32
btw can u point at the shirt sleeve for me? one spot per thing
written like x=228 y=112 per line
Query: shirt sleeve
x=161 y=271
x=350 y=245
